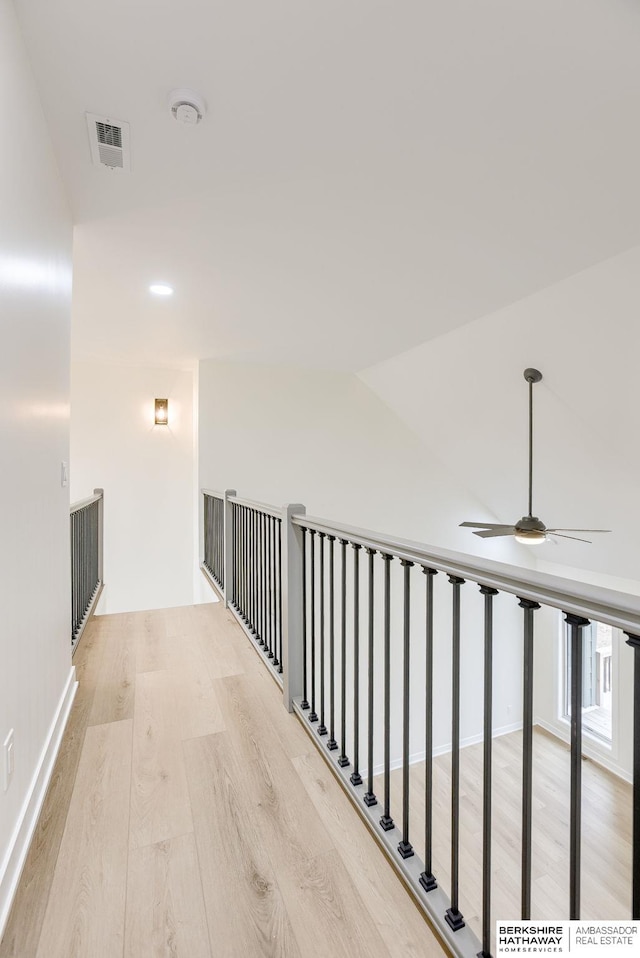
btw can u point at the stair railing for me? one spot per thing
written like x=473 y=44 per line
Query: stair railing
x=87 y=551
x=316 y=599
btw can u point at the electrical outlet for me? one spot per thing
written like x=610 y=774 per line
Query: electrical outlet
x=8 y=763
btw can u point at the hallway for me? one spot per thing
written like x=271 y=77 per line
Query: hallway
x=189 y=815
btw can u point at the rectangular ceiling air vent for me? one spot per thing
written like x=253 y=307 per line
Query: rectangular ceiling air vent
x=109 y=139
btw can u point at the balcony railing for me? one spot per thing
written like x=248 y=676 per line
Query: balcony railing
x=86 y=560
x=347 y=621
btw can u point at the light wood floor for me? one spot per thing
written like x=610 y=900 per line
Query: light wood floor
x=606 y=831
x=189 y=815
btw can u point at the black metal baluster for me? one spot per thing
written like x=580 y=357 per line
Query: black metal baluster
x=256 y=578
x=305 y=639
x=245 y=560
x=529 y=608
x=265 y=559
x=80 y=582
x=212 y=535
x=405 y=847
x=331 y=742
x=222 y=543
x=235 y=554
x=274 y=600
x=322 y=728
x=356 y=778
x=274 y=633
x=239 y=544
x=270 y=565
x=488 y=594
x=427 y=878
x=343 y=761
x=211 y=546
x=74 y=581
x=206 y=506
x=210 y=543
x=386 y=820
x=73 y=575
x=251 y=574
x=222 y=540
x=634 y=642
x=236 y=590
x=83 y=564
x=278 y=660
x=313 y=715
x=260 y=580
x=265 y=587
x=243 y=564
x=369 y=797
x=576 y=624
x=453 y=915
x=256 y=559
x=211 y=540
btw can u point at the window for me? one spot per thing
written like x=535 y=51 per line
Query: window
x=597 y=679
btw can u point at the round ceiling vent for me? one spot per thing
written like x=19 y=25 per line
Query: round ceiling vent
x=186 y=106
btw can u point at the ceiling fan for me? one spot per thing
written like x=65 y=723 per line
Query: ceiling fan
x=529 y=529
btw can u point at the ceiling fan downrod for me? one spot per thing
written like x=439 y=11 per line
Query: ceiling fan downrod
x=531 y=376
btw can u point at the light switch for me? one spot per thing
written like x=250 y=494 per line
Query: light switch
x=64 y=474
x=7 y=761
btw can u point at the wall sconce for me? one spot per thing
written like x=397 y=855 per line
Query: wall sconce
x=162 y=412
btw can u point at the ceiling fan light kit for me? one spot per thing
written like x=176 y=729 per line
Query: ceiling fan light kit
x=529 y=530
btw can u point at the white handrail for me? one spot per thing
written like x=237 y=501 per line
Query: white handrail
x=212 y=493
x=275 y=511
x=83 y=503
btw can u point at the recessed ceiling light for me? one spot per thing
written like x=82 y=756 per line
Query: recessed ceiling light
x=161 y=289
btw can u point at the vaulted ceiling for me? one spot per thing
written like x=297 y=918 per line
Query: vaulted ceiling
x=368 y=176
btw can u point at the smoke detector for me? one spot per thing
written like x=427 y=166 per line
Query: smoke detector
x=186 y=106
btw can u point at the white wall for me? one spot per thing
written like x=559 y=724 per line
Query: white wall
x=281 y=435
x=35 y=291
x=584 y=335
x=147 y=473
x=287 y=434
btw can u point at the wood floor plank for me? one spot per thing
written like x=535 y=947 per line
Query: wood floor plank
x=113 y=699
x=324 y=907
x=152 y=648
x=224 y=646
x=160 y=806
x=606 y=830
x=86 y=907
x=165 y=909
x=244 y=904
x=396 y=919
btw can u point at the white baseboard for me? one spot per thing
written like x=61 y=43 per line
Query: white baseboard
x=11 y=868
x=444 y=749
x=597 y=755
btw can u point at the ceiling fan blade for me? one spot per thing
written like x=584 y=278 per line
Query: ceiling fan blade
x=575 y=538
x=578 y=530
x=494 y=533
x=485 y=525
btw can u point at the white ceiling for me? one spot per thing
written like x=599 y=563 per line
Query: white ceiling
x=370 y=173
